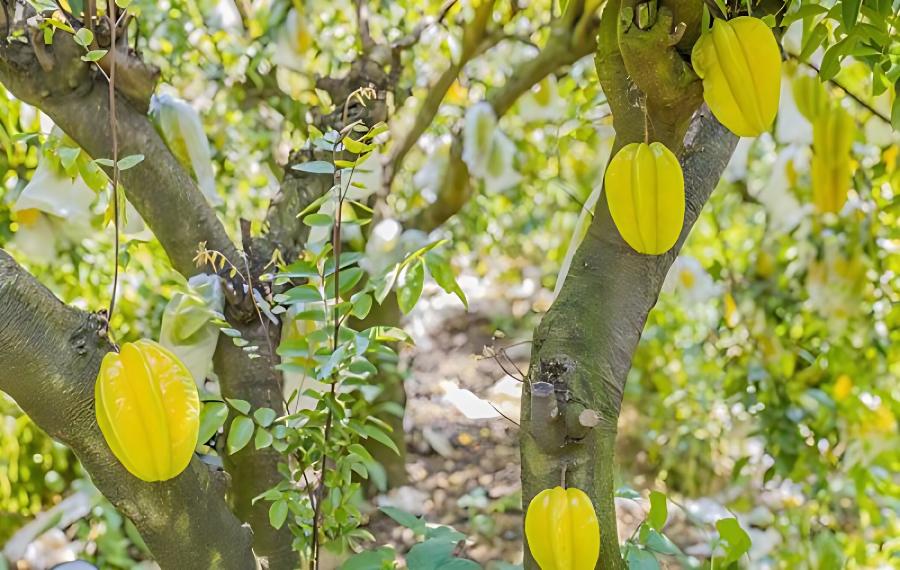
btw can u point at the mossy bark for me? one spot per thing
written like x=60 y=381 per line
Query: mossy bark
x=584 y=344
x=50 y=354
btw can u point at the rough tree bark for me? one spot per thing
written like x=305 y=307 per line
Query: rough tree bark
x=583 y=347
x=50 y=358
x=55 y=80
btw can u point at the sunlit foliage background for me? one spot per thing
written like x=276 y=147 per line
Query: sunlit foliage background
x=767 y=375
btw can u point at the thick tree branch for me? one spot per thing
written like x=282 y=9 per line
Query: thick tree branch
x=473 y=43
x=572 y=37
x=162 y=191
x=71 y=93
x=584 y=344
x=49 y=359
x=596 y=324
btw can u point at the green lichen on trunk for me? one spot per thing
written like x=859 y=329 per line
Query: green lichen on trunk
x=50 y=358
x=596 y=322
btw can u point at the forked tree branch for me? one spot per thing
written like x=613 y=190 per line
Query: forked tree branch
x=162 y=191
x=594 y=326
x=572 y=37
x=167 y=198
x=50 y=357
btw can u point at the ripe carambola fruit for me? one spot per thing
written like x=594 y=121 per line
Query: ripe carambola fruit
x=148 y=410
x=740 y=65
x=562 y=530
x=810 y=96
x=644 y=188
x=833 y=132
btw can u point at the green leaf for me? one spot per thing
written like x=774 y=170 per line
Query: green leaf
x=660 y=543
x=387 y=334
x=94 y=55
x=68 y=156
x=262 y=439
x=831 y=61
x=212 y=417
x=264 y=416
x=362 y=304
x=84 y=37
x=320 y=220
x=381 y=437
x=737 y=541
x=804 y=12
x=357 y=147
x=315 y=167
x=403 y=518
x=659 y=510
x=299 y=294
x=411 y=289
x=123 y=4
x=362 y=367
x=349 y=277
x=850 y=13
x=895 y=108
x=315 y=205
x=77 y=7
x=243 y=406
x=371 y=559
x=723 y=8
x=278 y=512
x=240 y=433
x=641 y=560
x=130 y=161
x=459 y=564
x=429 y=555
x=442 y=273
x=815 y=39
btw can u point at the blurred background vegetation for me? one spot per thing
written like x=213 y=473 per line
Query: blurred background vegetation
x=766 y=379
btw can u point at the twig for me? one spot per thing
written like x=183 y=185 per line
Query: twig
x=336 y=247
x=843 y=88
x=113 y=126
x=496 y=409
x=362 y=20
x=413 y=37
x=505 y=355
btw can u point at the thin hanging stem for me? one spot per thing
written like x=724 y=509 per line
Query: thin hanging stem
x=113 y=127
x=646 y=120
x=336 y=317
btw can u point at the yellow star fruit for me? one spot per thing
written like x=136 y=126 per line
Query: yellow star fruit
x=644 y=188
x=843 y=386
x=562 y=530
x=740 y=65
x=831 y=167
x=148 y=410
x=810 y=96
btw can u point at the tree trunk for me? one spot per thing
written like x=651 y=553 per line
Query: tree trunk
x=49 y=361
x=584 y=346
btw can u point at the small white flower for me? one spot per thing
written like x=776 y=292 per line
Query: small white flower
x=691 y=281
